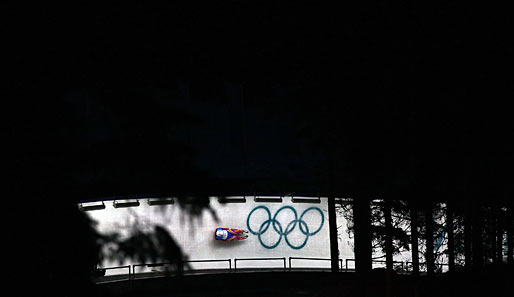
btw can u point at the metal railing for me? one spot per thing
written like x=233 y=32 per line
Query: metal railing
x=305 y=200
x=125 y=203
x=408 y=265
x=385 y=262
x=314 y=259
x=438 y=266
x=91 y=206
x=232 y=199
x=346 y=262
x=183 y=262
x=258 y=259
x=267 y=199
x=160 y=201
x=403 y=266
x=222 y=260
x=104 y=269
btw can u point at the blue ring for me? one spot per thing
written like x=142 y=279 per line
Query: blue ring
x=300 y=222
x=320 y=226
x=279 y=233
x=295 y=219
x=290 y=227
x=269 y=220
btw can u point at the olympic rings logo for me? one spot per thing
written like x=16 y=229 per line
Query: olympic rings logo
x=277 y=227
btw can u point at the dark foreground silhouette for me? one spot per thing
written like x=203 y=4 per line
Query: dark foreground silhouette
x=489 y=282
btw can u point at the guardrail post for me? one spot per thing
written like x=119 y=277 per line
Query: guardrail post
x=132 y=269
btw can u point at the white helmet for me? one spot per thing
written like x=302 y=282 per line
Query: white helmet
x=219 y=233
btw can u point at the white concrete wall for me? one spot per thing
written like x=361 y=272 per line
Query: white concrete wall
x=196 y=235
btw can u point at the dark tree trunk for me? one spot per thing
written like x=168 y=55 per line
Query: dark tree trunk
x=510 y=235
x=414 y=238
x=451 y=240
x=429 y=237
x=467 y=236
x=499 y=245
x=493 y=218
x=510 y=247
x=389 y=234
x=332 y=223
x=499 y=234
x=362 y=225
x=477 y=250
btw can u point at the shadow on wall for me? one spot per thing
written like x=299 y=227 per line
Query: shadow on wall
x=156 y=246
x=64 y=250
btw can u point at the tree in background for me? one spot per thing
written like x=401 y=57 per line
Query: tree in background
x=400 y=237
x=401 y=231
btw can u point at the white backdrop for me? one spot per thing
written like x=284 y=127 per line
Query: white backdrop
x=195 y=235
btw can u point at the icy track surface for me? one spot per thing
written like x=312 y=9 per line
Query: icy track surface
x=304 y=228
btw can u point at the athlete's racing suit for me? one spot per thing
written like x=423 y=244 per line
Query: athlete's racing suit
x=228 y=234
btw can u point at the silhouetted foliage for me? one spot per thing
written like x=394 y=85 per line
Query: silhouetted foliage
x=400 y=235
x=157 y=246
x=401 y=231
x=63 y=254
